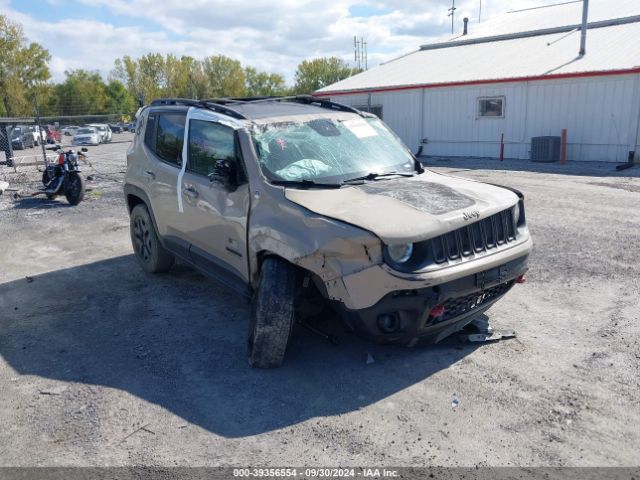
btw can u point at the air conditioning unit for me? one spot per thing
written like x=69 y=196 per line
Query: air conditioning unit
x=545 y=149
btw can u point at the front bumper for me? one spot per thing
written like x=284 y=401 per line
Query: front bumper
x=403 y=316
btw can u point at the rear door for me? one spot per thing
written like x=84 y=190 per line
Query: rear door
x=215 y=217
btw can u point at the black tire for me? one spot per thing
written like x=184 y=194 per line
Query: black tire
x=45 y=177
x=74 y=189
x=151 y=255
x=273 y=314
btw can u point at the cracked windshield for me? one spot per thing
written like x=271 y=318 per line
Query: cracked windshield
x=329 y=150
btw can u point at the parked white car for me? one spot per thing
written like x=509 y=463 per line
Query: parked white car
x=87 y=136
x=103 y=130
x=70 y=131
x=39 y=135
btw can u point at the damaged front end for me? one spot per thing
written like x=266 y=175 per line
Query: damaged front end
x=408 y=259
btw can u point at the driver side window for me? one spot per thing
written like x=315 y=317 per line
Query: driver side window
x=209 y=143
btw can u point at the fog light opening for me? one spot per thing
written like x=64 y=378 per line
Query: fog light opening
x=437 y=311
x=388 y=323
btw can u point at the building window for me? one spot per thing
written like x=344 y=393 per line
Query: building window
x=375 y=109
x=491 y=107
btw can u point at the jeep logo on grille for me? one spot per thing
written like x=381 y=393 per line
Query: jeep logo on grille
x=471 y=214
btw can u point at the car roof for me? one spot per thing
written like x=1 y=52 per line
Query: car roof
x=259 y=108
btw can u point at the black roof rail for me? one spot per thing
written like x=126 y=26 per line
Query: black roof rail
x=175 y=101
x=225 y=105
x=305 y=99
x=211 y=104
x=240 y=99
x=310 y=99
x=223 y=109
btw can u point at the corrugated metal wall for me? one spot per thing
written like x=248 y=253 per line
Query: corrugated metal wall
x=601 y=115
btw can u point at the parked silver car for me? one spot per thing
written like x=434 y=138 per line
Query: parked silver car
x=86 y=136
x=104 y=131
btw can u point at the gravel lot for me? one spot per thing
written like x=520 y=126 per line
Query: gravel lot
x=101 y=364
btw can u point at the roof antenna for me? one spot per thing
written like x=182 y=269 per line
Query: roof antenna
x=451 y=13
x=583 y=33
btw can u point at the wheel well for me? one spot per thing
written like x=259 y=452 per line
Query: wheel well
x=132 y=201
x=301 y=272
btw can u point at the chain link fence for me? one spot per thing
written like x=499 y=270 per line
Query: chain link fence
x=23 y=140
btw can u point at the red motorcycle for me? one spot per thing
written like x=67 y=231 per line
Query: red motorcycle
x=62 y=177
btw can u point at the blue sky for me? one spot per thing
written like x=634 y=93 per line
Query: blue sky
x=271 y=35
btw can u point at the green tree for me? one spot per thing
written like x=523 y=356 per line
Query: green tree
x=119 y=100
x=263 y=84
x=23 y=69
x=312 y=75
x=81 y=93
x=223 y=76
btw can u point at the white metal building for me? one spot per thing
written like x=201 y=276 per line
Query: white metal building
x=521 y=75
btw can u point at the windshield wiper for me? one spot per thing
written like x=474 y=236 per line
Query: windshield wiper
x=305 y=183
x=374 y=176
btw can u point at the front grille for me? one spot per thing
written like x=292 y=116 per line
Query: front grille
x=483 y=235
x=456 y=307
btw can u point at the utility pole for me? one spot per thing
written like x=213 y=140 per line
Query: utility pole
x=360 y=53
x=480 y=12
x=583 y=32
x=40 y=141
x=452 y=13
x=366 y=63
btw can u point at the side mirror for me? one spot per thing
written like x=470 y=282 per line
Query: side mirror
x=224 y=173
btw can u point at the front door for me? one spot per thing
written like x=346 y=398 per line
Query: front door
x=215 y=216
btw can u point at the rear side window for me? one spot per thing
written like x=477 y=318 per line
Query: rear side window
x=208 y=143
x=165 y=134
x=170 y=136
x=150 y=131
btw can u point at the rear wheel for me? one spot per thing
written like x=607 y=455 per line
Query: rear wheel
x=150 y=253
x=273 y=314
x=74 y=189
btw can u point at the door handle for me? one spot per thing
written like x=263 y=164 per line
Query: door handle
x=191 y=192
x=150 y=174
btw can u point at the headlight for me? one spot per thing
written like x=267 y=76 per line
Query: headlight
x=400 y=253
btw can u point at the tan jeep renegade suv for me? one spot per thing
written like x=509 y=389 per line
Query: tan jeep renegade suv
x=290 y=200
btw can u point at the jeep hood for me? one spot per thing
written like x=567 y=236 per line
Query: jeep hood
x=407 y=209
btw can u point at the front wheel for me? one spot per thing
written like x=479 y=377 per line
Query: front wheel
x=273 y=314
x=74 y=189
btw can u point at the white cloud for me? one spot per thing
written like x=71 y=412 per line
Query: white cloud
x=270 y=35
